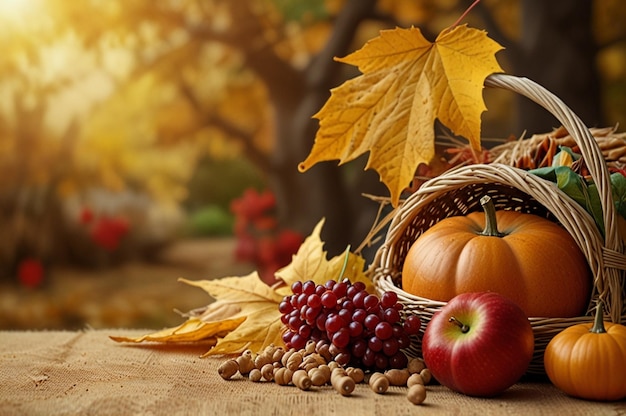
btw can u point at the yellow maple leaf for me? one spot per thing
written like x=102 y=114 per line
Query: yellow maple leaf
x=407 y=82
x=310 y=263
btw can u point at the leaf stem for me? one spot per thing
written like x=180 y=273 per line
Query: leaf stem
x=491 y=223
x=345 y=263
x=465 y=13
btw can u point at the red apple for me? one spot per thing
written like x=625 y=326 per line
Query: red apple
x=478 y=344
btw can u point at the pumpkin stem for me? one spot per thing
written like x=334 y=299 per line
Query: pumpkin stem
x=464 y=328
x=598 y=322
x=491 y=224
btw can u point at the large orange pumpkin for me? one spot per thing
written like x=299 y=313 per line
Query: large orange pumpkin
x=527 y=258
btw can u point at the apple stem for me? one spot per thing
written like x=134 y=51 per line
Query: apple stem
x=464 y=328
x=491 y=223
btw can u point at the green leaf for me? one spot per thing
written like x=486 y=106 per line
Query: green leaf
x=618 y=182
x=594 y=206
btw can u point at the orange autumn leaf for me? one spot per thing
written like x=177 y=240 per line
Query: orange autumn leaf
x=407 y=83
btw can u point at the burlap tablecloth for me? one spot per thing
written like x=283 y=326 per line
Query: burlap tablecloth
x=72 y=373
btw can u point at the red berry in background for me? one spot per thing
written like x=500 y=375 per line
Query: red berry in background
x=265 y=223
x=86 y=216
x=266 y=250
x=30 y=273
x=108 y=232
x=245 y=249
x=259 y=239
x=288 y=242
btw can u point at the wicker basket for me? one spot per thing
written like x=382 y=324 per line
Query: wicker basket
x=458 y=191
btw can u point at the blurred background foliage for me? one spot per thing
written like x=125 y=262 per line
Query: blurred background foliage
x=154 y=115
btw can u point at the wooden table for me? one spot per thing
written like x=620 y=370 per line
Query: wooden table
x=71 y=373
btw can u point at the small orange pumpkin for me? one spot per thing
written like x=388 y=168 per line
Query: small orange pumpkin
x=589 y=360
x=529 y=259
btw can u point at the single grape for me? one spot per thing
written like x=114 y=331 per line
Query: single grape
x=305 y=331
x=412 y=324
x=285 y=306
x=359 y=315
x=359 y=285
x=388 y=299
x=333 y=323
x=390 y=347
x=381 y=361
x=391 y=315
x=371 y=321
x=329 y=284
x=320 y=321
x=298 y=341
x=383 y=330
x=296 y=287
x=375 y=344
x=345 y=315
x=328 y=299
x=301 y=300
x=311 y=315
x=348 y=304
x=359 y=299
x=351 y=291
x=370 y=302
x=314 y=300
x=359 y=347
x=356 y=329
x=319 y=289
x=294 y=323
x=369 y=358
x=341 y=338
x=340 y=289
x=308 y=287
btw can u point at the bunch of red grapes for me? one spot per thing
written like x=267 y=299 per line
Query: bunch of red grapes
x=360 y=328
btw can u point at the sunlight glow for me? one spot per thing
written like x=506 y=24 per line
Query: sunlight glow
x=17 y=10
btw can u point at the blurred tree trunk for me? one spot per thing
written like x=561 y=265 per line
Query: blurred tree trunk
x=323 y=191
x=557 y=50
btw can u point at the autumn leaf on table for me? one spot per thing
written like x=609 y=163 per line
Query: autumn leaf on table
x=407 y=82
x=216 y=320
x=258 y=304
x=245 y=314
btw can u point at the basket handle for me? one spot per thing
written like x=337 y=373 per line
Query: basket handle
x=589 y=148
